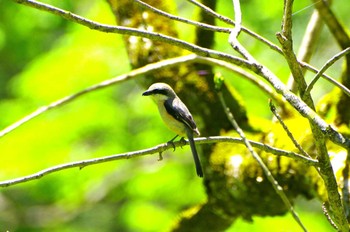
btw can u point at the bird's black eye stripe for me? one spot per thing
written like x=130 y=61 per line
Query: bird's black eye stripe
x=159 y=91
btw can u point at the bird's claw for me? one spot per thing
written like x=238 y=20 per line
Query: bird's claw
x=182 y=141
x=172 y=143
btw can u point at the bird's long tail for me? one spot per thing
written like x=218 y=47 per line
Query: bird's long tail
x=197 y=162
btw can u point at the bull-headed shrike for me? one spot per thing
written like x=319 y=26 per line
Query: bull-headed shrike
x=176 y=116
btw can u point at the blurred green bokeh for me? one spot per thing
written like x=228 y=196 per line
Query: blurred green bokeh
x=44 y=58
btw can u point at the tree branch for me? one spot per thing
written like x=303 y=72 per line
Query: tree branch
x=231 y=22
x=156 y=36
x=268 y=174
x=279 y=86
x=154 y=150
x=284 y=126
x=136 y=72
x=184 y=20
x=305 y=106
x=136 y=32
x=271 y=45
x=325 y=170
x=308 y=44
x=286 y=40
x=328 y=64
x=333 y=23
x=143 y=71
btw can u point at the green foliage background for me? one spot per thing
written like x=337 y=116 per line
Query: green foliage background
x=44 y=58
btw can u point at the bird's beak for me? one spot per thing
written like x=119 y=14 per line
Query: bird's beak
x=147 y=93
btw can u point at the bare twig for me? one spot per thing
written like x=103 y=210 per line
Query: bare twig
x=233 y=39
x=136 y=72
x=268 y=174
x=238 y=18
x=247 y=75
x=231 y=22
x=328 y=78
x=154 y=150
x=270 y=44
x=290 y=135
x=328 y=64
x=142 y=71
x=184 y=20
x=211 y=12
x=135 y=32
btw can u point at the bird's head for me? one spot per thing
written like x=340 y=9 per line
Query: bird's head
x=160 y=92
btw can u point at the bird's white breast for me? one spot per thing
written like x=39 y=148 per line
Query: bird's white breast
x=172 y=123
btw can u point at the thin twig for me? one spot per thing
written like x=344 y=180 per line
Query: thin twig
x=184 y=20
x=268 y=174
x=231 y=22
x=328 y=64
x=135 y=32
x=155 y=150
x=233 y=38
x=247 y=75
x=238 y=18
x=327 y=78
x=142 y=71
x=136 y=72
x=290 y=135
x=212 y=12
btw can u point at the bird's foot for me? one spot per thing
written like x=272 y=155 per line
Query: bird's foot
x=182 y=141
x=171 y=141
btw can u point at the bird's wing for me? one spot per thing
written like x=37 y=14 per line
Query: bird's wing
x=176 y=108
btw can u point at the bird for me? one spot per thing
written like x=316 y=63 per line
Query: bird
x=176 y=116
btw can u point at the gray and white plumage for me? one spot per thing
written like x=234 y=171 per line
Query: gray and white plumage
x=176 y=116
